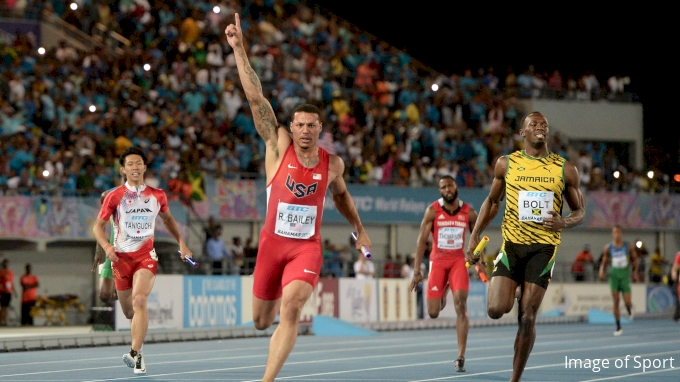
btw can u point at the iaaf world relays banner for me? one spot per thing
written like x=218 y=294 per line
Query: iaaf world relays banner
x=73 y=217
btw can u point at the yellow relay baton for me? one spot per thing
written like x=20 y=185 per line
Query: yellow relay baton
x=478 y=250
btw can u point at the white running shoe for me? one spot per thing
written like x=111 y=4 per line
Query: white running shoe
x=140 y=366
x=129 y=360
x=618 y=332
x=137 y=363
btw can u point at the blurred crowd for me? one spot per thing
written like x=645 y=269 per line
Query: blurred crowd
x=66 y=114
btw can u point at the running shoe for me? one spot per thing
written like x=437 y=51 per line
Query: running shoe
x=460 y=365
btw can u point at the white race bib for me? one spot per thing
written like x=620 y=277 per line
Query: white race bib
x=619 y=257
x=533 y=206
x=450 y=238
x=295 y=221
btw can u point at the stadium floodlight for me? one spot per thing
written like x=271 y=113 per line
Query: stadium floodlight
x=650 y=174
x=435 y=87
x=617 y=174
x=73 y=6
x=41 y=51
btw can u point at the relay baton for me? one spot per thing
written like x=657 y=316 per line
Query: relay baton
x=479 y=249
x=480 y=272
x=364 y=250
x=189 y=260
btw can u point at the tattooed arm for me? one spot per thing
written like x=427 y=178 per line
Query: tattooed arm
x=263 y=114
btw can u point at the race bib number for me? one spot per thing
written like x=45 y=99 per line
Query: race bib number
x=450 y=238
x=619 y=260
x=295 y=221
x=533 y=206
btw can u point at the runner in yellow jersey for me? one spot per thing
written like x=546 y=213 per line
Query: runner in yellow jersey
x=534 y=182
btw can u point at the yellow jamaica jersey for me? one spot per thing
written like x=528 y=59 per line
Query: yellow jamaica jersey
x=533 y=186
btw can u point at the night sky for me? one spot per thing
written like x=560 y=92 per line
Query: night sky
x=613 y=41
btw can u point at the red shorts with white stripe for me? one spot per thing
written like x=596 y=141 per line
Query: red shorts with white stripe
x=443 y=270
x=280 y=261
x=124 y=269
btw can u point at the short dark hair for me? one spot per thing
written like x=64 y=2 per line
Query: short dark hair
x=524 y=119
x=307 y=108
x=132 y=150
x=448 y=177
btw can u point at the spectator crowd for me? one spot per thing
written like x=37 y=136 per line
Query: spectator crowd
x=66 y=114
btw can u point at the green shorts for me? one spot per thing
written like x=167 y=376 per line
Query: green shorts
x=619 y=280
x=105 y=270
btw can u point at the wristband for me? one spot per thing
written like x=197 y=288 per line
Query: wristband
x=106 y=248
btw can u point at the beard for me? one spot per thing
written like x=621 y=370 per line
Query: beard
x=453 y=197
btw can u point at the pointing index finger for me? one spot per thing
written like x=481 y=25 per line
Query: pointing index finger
x=237 y=21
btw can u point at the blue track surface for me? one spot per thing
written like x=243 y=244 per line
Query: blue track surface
x=415 y=355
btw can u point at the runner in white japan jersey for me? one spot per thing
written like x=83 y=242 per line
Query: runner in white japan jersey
x=134 y=207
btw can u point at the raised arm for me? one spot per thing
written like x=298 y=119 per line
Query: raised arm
x=263 y=114
x=421 y=245
x=490 y=206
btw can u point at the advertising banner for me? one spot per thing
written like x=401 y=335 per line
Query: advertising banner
x=660 y=299
x=323 y=301
x=396 y=303
x=578 y=298
x=358 y=300
x=212 y=301
x=246 y=200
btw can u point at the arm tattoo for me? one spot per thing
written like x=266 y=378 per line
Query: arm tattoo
x=250 y=72
x=265 y=121
x=263 y=114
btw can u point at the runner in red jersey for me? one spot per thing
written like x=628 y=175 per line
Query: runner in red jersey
x=446 y=219
x=298 y=174
x=134 y=207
